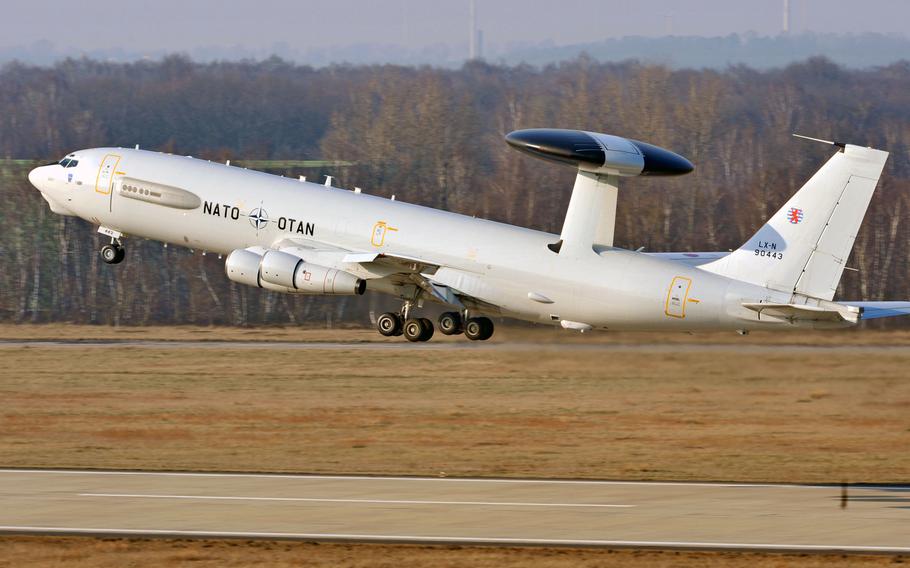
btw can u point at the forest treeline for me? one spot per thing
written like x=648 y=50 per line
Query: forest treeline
x=435 y=137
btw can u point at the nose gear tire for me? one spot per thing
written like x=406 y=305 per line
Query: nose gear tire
x=112 y=254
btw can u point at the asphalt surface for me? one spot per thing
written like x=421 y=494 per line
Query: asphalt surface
x=447 y=510
x=404 y=345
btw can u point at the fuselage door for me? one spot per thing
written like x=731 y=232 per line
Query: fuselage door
x=105 y=180
x=677 y=297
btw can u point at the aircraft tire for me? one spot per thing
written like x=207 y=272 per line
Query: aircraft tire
x=414 y=330
x=428 y=329
x=112 y=254
x=479 y=329
x=450 y=323
x=389 y=324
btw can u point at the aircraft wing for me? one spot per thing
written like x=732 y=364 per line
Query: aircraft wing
x=407 y=273
x=875 y=310
x=407 y=264
x=690 y=258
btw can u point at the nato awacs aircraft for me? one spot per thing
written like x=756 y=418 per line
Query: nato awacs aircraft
x=297 y=237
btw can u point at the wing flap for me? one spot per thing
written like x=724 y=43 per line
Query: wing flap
x=408 y=264
x=360 y=257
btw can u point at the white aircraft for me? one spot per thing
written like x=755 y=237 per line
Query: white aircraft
x=303 y=238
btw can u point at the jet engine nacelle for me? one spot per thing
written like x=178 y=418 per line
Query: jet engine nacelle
x=283 y=272
x=599 y=153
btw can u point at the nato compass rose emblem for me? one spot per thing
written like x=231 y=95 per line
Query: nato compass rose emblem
x=259 y=218
x=795 y=215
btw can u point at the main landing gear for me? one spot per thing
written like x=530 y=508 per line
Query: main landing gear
x=113 y=253
x=392 y=324
x=475 y=329
x=478 y=329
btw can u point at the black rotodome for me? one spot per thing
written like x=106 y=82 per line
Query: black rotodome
x=577 y=148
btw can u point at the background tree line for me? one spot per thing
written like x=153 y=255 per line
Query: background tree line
x=435 y=137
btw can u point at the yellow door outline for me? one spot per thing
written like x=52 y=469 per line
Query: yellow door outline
x=380 y=229
x=111 y=166
x=677 y=297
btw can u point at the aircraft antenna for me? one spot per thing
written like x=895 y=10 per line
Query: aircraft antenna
x=841 y=145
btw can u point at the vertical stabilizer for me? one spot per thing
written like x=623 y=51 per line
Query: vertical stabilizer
x=804 y=246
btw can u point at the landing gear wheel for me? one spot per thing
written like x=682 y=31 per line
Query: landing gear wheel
x=418 y=329
x=389 y=324
x=112 y=254
x=450 y=323
x=478 y=329
x=427 y=329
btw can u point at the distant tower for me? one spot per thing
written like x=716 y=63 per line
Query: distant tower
x=479 y=44
x=472 y=32
x=786 y=17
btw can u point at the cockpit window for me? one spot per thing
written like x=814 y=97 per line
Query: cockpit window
x=65 y=162
x=72 y=164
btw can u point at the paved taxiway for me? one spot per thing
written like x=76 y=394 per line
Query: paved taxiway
x=489 y=511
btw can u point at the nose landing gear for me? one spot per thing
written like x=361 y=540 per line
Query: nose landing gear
x=113 y=253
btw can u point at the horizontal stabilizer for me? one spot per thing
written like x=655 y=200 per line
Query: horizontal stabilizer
x=804 y=313
x=875 y=310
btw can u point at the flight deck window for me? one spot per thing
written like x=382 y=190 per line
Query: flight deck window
x=64 y=162
x=72 y=164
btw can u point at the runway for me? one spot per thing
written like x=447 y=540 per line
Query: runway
x=465 y=511
x=403 y=345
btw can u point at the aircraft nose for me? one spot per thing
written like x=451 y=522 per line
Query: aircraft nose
x=34 y=176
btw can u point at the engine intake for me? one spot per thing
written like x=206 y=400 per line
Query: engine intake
x=283 y=272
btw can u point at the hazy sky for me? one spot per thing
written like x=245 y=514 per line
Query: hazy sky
x=183 y=25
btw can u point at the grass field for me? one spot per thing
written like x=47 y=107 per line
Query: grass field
x=111 y=553
x=538 y=335
x=655 y=409
x=789 y=415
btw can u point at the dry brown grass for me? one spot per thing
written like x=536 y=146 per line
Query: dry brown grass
x=77 y=552
x=519 y=333
x=810 y=416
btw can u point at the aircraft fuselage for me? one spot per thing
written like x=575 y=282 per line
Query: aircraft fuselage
x=220 y=208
